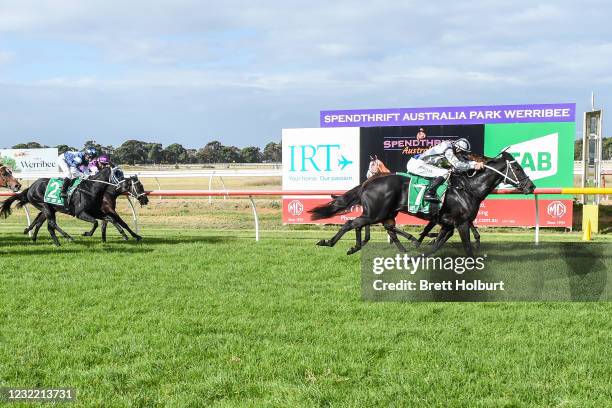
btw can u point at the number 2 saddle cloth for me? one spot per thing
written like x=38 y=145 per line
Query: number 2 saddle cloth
x=416 y=191
x=53 y=193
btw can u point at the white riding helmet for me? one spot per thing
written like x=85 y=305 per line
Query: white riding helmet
x=462 y=144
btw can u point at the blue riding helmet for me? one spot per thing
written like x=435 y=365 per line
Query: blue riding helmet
x=91 y=152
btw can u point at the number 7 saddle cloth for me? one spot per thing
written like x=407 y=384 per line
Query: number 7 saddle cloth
x=53 y=193
x=416 y=191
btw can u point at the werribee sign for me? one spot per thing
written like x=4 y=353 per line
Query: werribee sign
x=30 y=160
x=541 y=137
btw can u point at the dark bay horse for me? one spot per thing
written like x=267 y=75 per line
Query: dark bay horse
x=381 y=199
x=107 y=213
x=86 y=199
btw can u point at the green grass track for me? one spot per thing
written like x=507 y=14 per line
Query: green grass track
x=194 y=318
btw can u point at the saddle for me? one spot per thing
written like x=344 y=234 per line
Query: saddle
x=412 y=196
x=53 y=193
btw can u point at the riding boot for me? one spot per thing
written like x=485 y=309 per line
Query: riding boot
x=65 y=187
x=431 y=193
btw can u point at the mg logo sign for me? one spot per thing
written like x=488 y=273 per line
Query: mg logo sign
x=295 y=208
x=538 y=157
x=556 y=209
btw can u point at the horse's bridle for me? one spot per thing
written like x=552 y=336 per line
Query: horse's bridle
x=516 y=182
x=113 y=178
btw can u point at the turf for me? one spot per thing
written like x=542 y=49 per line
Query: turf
x=192 y=318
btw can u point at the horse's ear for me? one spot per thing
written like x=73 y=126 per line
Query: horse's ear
x=376 y=157
x=371 y=158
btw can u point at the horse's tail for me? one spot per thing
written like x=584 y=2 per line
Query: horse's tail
x=21 y=198
x=339 y=203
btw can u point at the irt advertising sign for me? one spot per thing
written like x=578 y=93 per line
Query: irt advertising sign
x=320 y=159
x=541 y=137
x=30 y=160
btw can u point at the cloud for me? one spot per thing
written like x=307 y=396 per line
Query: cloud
x=283 y=61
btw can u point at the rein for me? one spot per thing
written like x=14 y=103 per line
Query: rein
x=516 y=182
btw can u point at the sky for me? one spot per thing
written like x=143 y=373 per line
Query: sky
x=192 y=71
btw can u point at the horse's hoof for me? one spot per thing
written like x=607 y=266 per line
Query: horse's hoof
x=87 y=234
x=138 y=238
x=25 y=231
x=125 y=238
x=351 y=251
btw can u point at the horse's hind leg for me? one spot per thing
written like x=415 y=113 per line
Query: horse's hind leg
x=391 y=230
x=40 y=218
x=51 y=225
x=476 y=235
x=93 y=229
x=358 y=243
x=349 y=225
x=406 y=235
x=367 y=234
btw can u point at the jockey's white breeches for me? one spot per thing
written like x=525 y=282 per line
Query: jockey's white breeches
x=67 y=171
x=420 y=168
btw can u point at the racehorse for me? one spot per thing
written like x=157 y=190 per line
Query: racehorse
x=378 y=168
x=85 y=200
x=109 y=203
x=381 y=200
x=132 y=186
x=7 y=180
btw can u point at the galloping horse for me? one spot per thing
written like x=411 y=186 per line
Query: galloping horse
x=378 y=168
x=381 y=200
x=86 y=200
x=107 y=213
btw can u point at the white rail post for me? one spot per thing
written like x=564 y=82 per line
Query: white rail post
x=134 y=215
x=224 y=188
x=255 y=217
x=158 y=187
x=27 y=213
x=537 y=221
x=210 y=186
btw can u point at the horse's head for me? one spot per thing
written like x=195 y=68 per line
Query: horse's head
x=136 y=190
x=513 y=173
x=7 y=180
x=376 y=167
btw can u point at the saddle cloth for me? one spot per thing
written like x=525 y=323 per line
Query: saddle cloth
x=416 y=191
x=53 y=193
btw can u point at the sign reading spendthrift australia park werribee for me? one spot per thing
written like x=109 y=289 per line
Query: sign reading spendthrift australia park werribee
x=336 y=156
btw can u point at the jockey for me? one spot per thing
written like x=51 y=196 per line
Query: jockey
x=98 y=164
x=74 y=164
x=429 y=164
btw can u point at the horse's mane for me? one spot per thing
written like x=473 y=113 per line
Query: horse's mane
x=478 y=157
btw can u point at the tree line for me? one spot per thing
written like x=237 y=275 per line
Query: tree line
x=139 y=152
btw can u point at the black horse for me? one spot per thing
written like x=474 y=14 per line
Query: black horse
x=85 y=201
x=381 y=200
x=107 y=213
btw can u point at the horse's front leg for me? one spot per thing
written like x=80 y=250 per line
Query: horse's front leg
x=444 y=235
x=464 y=233
x=426 y=230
